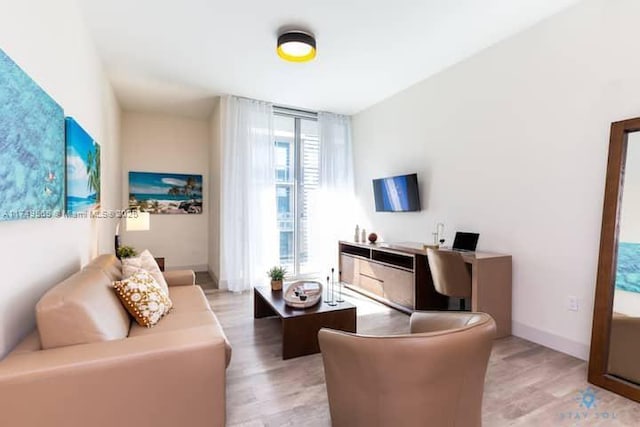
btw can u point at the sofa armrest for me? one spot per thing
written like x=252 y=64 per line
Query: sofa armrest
x=178 y=376
x=180 y=277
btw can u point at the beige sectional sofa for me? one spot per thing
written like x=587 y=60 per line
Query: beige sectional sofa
x=87 y=364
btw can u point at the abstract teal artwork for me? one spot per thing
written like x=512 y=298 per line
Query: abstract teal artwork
x=628 y=267
x=83 y=170
x=31 y=147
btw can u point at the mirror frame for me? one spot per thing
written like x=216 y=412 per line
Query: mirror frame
x=605 y=284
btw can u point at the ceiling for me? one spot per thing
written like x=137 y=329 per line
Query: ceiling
x=178 y=55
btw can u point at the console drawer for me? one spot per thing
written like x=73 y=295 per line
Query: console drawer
x=348 y=269
x=398 y=287
x=371 y=284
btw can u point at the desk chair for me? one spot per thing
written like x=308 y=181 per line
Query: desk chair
x=450 y=274
x=433 y=376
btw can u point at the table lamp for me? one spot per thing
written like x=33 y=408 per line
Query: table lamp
x=134 y=221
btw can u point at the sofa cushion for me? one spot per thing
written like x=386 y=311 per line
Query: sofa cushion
x=143 y=298
x=176 y=321
x=109 y=264
x=80 y=310
x=145 y=261
x=188 y=298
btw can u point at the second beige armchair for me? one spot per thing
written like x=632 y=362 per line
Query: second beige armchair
x=432 y=377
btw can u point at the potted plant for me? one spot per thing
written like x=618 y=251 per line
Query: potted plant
x=277 y=276
x=126 y=252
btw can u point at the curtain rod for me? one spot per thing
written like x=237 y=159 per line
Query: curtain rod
x=281 y=109
x=294 y=111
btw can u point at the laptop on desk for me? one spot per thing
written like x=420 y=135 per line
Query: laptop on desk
x=465 y=242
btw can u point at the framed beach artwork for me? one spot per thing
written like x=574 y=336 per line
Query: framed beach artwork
x=165 y=193
x=31 y=147
x=83 y=170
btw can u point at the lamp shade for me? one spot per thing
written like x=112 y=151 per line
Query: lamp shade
x=296 y=46
x=137 y=221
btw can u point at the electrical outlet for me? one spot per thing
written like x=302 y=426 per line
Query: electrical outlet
x=572 y=303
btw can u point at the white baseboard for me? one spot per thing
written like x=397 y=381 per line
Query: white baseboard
x=215 y=278
x=564 y=345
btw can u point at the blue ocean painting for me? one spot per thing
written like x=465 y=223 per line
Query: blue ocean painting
x=628 y=268
x=31 y=147
x=83 y=169
x=165 y=193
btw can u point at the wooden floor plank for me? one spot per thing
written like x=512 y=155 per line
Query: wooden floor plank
x=526 y=385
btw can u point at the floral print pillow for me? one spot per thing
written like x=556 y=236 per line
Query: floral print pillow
x=143 y=298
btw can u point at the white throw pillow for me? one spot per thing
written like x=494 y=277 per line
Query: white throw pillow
x=146 y=262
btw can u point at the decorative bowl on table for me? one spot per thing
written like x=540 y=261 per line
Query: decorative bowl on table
x=303 y=294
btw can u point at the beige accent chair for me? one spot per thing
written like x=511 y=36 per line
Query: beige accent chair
x=433 y=377
x=450 y=274
x=87 y=364
x=624 y=347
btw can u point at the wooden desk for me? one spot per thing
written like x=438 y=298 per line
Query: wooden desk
x=398 y=275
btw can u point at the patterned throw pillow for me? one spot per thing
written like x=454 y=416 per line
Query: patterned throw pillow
x=144 y=262
x=143 y=298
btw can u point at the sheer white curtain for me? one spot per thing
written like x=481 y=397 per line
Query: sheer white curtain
x=332 y=216
x=249 y=244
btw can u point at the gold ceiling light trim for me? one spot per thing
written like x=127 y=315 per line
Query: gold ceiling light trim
x=296 y=46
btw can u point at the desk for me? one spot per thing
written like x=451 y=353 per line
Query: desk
x=398 y=275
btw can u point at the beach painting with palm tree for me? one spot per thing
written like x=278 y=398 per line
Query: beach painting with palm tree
x=165 y=193
x=83 y=169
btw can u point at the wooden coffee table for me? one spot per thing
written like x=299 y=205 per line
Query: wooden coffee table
x=300 y=326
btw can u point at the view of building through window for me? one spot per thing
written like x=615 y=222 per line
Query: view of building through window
x=297 y=178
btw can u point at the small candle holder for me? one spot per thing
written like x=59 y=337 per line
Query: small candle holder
x=340 y=287
x=327 y=295
x=332 y=301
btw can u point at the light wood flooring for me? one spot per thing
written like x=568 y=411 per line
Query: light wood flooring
x=526 y=385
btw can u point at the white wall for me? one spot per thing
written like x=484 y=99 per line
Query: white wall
x=630 y=207
x=49 y=41
x=627 y=303
x=164 y=143
x=215 y=165
x=512 y=143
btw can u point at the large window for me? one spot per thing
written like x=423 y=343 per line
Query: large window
x=297 y=173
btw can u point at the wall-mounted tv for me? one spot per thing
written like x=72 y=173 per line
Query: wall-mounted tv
x=397 y=193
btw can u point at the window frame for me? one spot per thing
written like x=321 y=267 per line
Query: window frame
x=298 y=208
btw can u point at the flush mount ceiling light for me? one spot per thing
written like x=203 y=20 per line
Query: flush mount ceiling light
x=296 y=46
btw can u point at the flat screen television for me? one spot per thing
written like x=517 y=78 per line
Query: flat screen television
x=397 y=193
